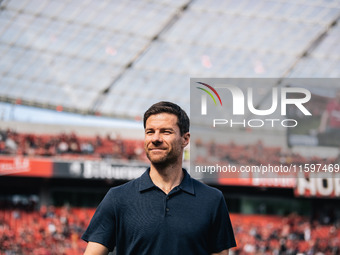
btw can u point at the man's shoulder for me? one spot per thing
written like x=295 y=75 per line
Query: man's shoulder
x=206 y=190
x=125 y=189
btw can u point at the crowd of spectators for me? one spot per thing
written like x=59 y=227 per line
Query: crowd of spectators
x=290 y=235
x=70 y=145
x=51 y=230
x=113 y=146
x=253 y=154
x=47 y=231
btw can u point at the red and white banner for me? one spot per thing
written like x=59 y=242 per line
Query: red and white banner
x=318 y=187
x=22 y=166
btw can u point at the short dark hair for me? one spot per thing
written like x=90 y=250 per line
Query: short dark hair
x=183 y=121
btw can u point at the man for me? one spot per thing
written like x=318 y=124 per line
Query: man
x=164 y=211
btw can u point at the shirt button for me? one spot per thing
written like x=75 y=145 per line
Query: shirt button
x=167 y=209
x=167 y=198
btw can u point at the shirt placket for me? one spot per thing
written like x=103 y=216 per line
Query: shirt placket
x=167 y=198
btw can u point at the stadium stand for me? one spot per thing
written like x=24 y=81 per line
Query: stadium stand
x=292 y=234
x=46 y=231
x=48 y=228
x=70 y=146
x=97 y=58
x=74 y=146
x=53 y=230
x=115 y=58
x=254 y=154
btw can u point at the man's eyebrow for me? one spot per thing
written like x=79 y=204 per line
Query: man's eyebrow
x=167 y=128
x=162 y=129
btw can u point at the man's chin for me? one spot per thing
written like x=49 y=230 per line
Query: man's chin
x=161 y=162
x=158 y=161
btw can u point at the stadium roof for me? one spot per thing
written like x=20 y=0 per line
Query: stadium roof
x=116 y=58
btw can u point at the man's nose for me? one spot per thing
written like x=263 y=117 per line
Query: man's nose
x=156 y=138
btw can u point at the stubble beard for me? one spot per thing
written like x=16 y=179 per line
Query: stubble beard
x=160 y=162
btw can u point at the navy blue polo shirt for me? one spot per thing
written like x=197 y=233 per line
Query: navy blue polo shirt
x=139 y=218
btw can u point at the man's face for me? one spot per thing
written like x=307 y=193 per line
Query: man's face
x=163 y=142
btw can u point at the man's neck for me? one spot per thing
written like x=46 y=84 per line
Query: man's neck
x=166 y=178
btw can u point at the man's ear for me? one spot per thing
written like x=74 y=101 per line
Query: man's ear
x=185 y=139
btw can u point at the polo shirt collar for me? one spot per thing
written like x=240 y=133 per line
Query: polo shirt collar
x=145 y=182
x=187 y=184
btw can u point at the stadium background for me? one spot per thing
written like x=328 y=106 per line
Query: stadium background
x=76 y=77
